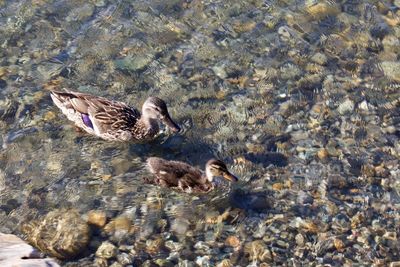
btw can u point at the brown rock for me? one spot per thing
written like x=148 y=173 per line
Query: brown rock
x=225 y=263
x=339 y=245
x=97 y=218
x=322 y=9
x=61 y=233
x=322 y=154
x=120 y=223
x=232 y=241
x=277 y=186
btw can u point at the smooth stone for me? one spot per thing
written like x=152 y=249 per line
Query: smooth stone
x=106 y=250
x=97 y=218
x=364 y=105
x=220 y=71
x=232 y=241
x=203 y=260
x=17 y=253
x=299 y=239
x=124 y=258
x=319 y=58
x=61 y=233
x=133 y=63
x=346 y=106
x=116 y=264
x=321 y=10
x=391 y=69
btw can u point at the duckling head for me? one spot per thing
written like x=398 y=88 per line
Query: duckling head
x=215 y=167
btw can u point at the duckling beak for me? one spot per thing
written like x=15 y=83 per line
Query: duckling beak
x=229 y=176
x=171 y=124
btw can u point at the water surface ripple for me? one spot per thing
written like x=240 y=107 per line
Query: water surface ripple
x=300 y=99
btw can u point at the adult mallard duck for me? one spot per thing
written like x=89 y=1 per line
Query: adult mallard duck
x=182 y=176
x=113 y=120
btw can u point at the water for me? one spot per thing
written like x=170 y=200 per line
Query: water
x=299 y=98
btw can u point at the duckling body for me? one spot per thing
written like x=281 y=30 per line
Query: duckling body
x=113 y=120
x=184 y=177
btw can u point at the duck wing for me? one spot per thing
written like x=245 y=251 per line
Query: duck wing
x=98 y=113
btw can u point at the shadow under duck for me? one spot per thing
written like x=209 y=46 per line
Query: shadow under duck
x=184 y=177
x=114 y=120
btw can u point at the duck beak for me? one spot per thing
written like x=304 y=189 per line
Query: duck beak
x=229 y=176
x=171 y=124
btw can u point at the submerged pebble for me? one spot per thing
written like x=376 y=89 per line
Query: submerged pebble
x=61 y=233
x=299 y=97
x=106 y=250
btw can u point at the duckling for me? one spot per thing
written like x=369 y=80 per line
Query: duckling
x=113 y=120
x=186 y=178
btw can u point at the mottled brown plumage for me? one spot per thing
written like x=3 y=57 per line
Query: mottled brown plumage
x=182 y=176
x=113 y=120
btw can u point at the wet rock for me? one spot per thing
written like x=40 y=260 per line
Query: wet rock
x=323 y=246
x=203 y=260
x=220 y=72
x=299 y=239
x=232 y=241
x=225 y=263
x=339 y=244
x=106 y=250
x=391 y=43
x=322 y=154
x=61 y=233
x=284 y=33
x=203 y=247
x=180 y=226
x=99 y=3
x=277 y=186
x=215 y=217
x=346 y=106
x=266 y=159
x=134 y=63
x=119 y=227
x=391 y=69
x=290 y=71
x=173 y=246
x=246 y=72
x=163 y=263
x=256 y=201
x=97 y=218
x=154 y=246
x=319 y=58
x=3 y=84
x=257 y=250
x=81 y=13
x=116 y=264
x=101 y=262
x=124 y=258
x=379 y=30
x=304 y=198
x=16 y=252
x=121 y=165
x=319 y=10
x=341 y=223
x=307 y=226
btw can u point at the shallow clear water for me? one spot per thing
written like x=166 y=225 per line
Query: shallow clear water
x=299 y=98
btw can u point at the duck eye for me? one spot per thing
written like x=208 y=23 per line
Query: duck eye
x=156 y=109
x=216 y=167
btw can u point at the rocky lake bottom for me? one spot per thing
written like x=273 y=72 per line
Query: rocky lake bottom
x=300 y=98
